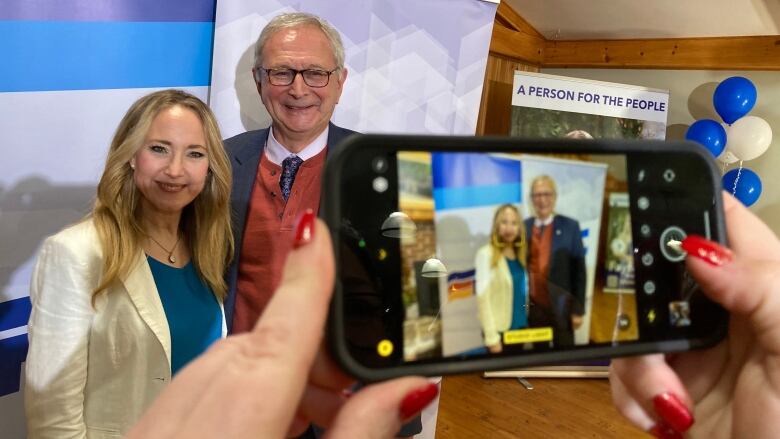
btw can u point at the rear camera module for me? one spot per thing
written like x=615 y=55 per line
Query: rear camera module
x=380 y=184
x=379 y=165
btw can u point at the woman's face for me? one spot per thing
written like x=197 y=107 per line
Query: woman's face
x=508 y=225
x=172 y=164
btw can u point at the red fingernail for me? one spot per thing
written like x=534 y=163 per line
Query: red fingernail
x=672 y=410
x=663 y=431
x=417 y=399
x=304 y=228
x=706 y=250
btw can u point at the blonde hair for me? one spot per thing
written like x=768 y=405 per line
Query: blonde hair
x=519 y=245
x=205 y=222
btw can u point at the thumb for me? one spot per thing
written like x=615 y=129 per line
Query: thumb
x=378 y=411
x=746 y=287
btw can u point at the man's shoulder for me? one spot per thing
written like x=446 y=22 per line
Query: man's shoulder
x=336 y=133
x=566 y=221
x=249 y=138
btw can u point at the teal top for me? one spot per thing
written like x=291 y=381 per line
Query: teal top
x=519 y=311
x=193 y=312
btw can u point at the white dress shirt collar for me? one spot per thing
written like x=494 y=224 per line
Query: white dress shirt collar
x=547 y=222
x=276 y=152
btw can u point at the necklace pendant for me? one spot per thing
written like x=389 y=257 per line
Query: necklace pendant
x=172 y=258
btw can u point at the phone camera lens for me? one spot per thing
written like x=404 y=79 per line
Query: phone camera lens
x=379 y=165
x=380 y=184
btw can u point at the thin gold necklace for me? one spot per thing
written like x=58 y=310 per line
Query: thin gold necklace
x=171 y=257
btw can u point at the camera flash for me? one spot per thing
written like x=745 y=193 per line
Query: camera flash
x=380 y=184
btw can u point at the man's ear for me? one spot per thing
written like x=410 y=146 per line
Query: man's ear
x=341 y=78
x=257 y=81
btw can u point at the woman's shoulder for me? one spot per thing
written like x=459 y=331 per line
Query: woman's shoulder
x=485 y=251
x=79 y=239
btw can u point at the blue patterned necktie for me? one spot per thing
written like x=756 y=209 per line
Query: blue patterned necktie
x=290 y=167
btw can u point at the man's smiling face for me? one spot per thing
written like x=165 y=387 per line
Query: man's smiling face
x=299 y=112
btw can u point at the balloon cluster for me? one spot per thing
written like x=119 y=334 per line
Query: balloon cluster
x=739 y=138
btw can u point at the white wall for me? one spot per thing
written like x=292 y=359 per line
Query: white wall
x=690 y=99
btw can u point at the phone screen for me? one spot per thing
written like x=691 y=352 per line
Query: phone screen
x=491 y=254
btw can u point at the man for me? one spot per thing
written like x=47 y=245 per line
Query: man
x=556 y=265
x=299 y=72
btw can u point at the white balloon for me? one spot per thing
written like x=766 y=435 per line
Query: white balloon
x=726 y=157
x=748 y=137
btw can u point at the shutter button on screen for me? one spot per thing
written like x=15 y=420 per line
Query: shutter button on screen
x=672 y=253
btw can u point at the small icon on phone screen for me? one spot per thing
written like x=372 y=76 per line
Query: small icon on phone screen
x=384 y=348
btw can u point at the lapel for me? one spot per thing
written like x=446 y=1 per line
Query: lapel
x=557 y=233
x=142 y=290
x=245 y=162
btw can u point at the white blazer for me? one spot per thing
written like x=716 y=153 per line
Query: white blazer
x=494 y=294
x=92 y=371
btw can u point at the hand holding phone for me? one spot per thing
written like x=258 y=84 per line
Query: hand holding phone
x=731 y=387
x=460 y=254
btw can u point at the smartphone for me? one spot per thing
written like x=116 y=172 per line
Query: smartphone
x=458 y=254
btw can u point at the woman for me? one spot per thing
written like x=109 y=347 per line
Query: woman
x=238 y=374
x=126 y=297
x=502 y=282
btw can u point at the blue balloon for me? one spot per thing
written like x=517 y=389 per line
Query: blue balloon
x=748 y=185
x=734 y=97
x=708 y=133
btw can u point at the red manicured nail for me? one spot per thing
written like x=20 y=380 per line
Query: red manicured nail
x=672 y=410
x=417 y=399
x=304 y=228
x=706 y=250
x=663 y=431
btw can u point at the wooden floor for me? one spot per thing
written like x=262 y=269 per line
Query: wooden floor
x=475 y=407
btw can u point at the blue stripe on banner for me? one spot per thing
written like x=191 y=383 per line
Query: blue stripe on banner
x=14 y=313
x=461 y=275
x=46 y=56
x=13 y=352
x=472 y=169
x=475 y=196
x=108 y=10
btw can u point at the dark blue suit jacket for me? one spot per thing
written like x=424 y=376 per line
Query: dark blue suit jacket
x=244 y=152
x=567 y=266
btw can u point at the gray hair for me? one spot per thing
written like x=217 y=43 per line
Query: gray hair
x=544 y=179
x=294 y=19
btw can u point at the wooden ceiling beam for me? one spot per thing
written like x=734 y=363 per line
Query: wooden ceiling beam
x=517 y=45
x=721 y=53
x=514 y=38
x=514 y=21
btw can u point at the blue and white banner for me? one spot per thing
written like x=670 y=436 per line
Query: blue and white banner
x=415 y=66
x=72 y=69
x=538 y=90
x=467 y=189
x=70 y=72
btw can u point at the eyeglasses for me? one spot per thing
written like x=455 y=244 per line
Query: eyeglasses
x=543 y=195
x=312 y=77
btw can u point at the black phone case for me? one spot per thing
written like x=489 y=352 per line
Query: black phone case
x=331 y=208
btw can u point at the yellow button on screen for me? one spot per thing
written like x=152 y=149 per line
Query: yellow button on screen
x=384 y=348
x=531 y=335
